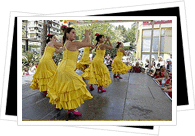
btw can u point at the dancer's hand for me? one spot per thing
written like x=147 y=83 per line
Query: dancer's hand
x=93 y=46
x=108 y=38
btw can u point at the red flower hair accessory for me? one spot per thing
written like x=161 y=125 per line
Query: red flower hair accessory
x=96 y=34
x=48 y=35
x=64 y=26
x=118 y=42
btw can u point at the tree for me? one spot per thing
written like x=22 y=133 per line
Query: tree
x=43 y=37
x=117 y=34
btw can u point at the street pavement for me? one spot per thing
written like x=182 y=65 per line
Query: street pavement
x=135 y=97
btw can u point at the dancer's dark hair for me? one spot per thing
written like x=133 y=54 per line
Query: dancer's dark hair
x=118 y=44
x=66 y=30
x=48 y=37
x=98 y=38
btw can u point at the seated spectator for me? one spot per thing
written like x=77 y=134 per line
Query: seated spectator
x=147 y=63
x=136 y=68
x=150 y=73
x=169 y=65
x=25 y=71
x=143 y=70
x=32 y=69
x=157 y=74
x=160 y=62
x=167 y=71
x=168 y=88
x=165 y=80
x=162 y=70
x=108 y=63
x=153 y=63
x=170 y=75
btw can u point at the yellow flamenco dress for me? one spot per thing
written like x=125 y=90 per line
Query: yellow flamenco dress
x=81 y=65
x=118 y=67
x=97 y=73
x=67 y=90
x=45 y=70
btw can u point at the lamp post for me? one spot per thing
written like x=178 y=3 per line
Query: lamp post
x=49 y=24
x=151 y=42
x=26 y=32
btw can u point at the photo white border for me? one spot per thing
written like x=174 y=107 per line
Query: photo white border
x=102 y=123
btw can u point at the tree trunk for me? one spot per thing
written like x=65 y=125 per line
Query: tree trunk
x=43 y=37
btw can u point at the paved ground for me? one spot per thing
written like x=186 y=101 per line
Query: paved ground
x=135 y=97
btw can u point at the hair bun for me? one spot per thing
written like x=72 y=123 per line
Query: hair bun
x=96 y=34
x=63 y=27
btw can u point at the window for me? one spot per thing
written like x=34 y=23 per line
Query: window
x=146 y=32
x=166 y=44
x=166 y=32
x=146 y=44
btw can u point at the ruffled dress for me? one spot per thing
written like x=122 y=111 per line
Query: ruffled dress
x=45 y=70
x=118 y=67
x=81 y=65
x=97 y=73
x=67 y=90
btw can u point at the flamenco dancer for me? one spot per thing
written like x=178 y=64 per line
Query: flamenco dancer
x=67 y=90
x=85 y=61
x=118 y=67
x=97 y=73
x=47 y=67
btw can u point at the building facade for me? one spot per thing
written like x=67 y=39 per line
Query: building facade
x=162 y=40
x=35 y=28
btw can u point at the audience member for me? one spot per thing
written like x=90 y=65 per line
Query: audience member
x=32 y=69
x=136 y=68
x=160 y=62
x=25 y=71
x=169 y=65
x=150 y=73
x=157 y=74
x=153 y=64
x=147 y=63
x=143 y=70
x=168 y=88
x=163 y=81
x=162 y=70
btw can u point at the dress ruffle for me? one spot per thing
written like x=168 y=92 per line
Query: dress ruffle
x=45 y=71
x=97 y=73
x=81 y=65
x=67 y=91
x=118 y=67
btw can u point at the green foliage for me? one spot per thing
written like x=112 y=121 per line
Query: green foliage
x=57 y=57
x=105 y=29
x=117 y=34
x=29 y=57
x=126 y=48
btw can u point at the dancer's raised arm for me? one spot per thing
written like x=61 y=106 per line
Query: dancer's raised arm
x=83 y=44
x=108 y=46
